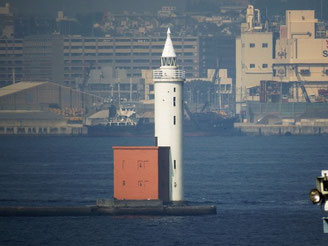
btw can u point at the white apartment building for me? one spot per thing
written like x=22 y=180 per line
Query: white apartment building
x=301 y=58
x=254 y=57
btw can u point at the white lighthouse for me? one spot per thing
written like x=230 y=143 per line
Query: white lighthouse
x=169 y=115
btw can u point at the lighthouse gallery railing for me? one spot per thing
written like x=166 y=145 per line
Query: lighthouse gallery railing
x=169 y=74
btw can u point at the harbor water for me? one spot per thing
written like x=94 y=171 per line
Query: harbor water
x=260 y=186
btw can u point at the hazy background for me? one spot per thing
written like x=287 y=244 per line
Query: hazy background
x=49 y=7
x=72 y=7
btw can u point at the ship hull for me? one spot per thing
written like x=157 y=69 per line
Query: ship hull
x=223 y=127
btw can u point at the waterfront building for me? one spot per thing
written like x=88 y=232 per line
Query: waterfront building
x=292 y=69
x=296 y=90
x=301 y=58
x=254 y=57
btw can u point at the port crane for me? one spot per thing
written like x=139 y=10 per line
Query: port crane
x=216 y=83
x=190 y=115
x=306 y=96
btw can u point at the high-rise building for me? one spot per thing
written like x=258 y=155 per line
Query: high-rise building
x=216 y=53
x=69 y=59
x=43 y=58
x=130 y=54
x=11 y=61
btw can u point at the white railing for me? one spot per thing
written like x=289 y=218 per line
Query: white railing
x=168 y=74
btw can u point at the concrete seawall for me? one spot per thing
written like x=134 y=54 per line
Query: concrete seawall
x=283 y=130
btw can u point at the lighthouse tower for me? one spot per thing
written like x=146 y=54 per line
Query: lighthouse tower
x=169 y=115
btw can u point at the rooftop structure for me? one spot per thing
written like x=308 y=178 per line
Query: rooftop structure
x=45 y=96
x=14 y=88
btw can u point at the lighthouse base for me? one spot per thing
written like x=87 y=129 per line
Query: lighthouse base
x=113 y=208
x=153 y=207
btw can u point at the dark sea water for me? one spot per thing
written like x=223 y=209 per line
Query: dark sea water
x=260 y=186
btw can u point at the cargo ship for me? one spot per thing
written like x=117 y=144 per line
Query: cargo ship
x=126 y=124
x=224 y=127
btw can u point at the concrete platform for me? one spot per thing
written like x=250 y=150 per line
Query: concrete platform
x=113 y=208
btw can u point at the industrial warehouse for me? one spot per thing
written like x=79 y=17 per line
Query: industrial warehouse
x=44 y=108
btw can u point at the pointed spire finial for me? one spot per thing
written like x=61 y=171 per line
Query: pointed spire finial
x=168 y=50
